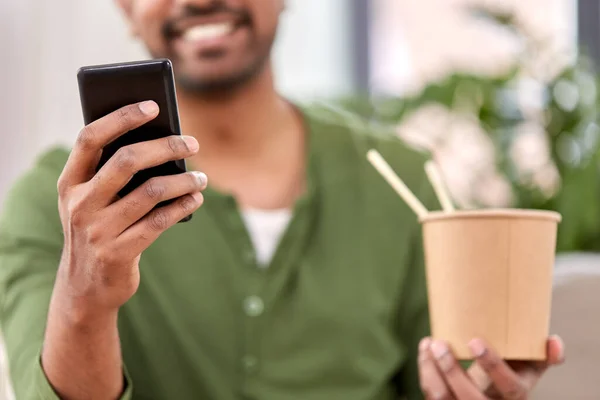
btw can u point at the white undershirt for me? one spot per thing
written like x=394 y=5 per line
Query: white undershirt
x=266 y=227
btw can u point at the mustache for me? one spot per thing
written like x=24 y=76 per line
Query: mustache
x=170 y=31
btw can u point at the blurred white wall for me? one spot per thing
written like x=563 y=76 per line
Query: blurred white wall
x=313 y=54
x=46 y=42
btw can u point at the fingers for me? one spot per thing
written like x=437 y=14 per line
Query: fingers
x=490 y=371
x=530 y=373
x=143 y=233
x=480 y=378
x=142 y=200
x=454 y=376
x=555 y=350
x=507 y=382
x=430 y=378
x=98 y=134
x=129 y=160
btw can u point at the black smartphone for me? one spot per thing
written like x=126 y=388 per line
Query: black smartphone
x=106 y=88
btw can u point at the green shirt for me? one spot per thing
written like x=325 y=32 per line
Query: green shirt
x=337 y=315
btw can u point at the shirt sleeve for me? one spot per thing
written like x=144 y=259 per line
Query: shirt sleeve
x=30 y=249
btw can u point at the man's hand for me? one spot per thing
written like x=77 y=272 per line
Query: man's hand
x=489 y=377
x=104 y=237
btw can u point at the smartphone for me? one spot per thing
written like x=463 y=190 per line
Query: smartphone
x=106 y=88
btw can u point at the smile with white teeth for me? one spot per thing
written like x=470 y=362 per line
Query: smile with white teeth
x=209 y=31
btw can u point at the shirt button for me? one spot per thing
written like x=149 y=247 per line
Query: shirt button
x=250 y=363
x=254 y=306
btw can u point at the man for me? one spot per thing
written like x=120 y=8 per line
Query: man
x=301 y=277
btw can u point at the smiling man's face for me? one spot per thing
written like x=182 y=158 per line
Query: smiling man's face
x=213 y=44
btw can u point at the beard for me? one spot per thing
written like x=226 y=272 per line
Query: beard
x=225 y=82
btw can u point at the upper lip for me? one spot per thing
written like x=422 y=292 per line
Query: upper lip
x=190 y=22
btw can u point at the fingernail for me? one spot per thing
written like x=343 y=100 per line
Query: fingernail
x=439 y=349
x=425 y=344
x=477 y=347
x=149 y=107
x=561 y=355
x=191 y=143
x=201 y=177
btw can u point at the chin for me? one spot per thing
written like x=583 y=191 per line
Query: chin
x=219 y=76
x=211 y=83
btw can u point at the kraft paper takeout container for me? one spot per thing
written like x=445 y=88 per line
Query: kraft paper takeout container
x=489 y=276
